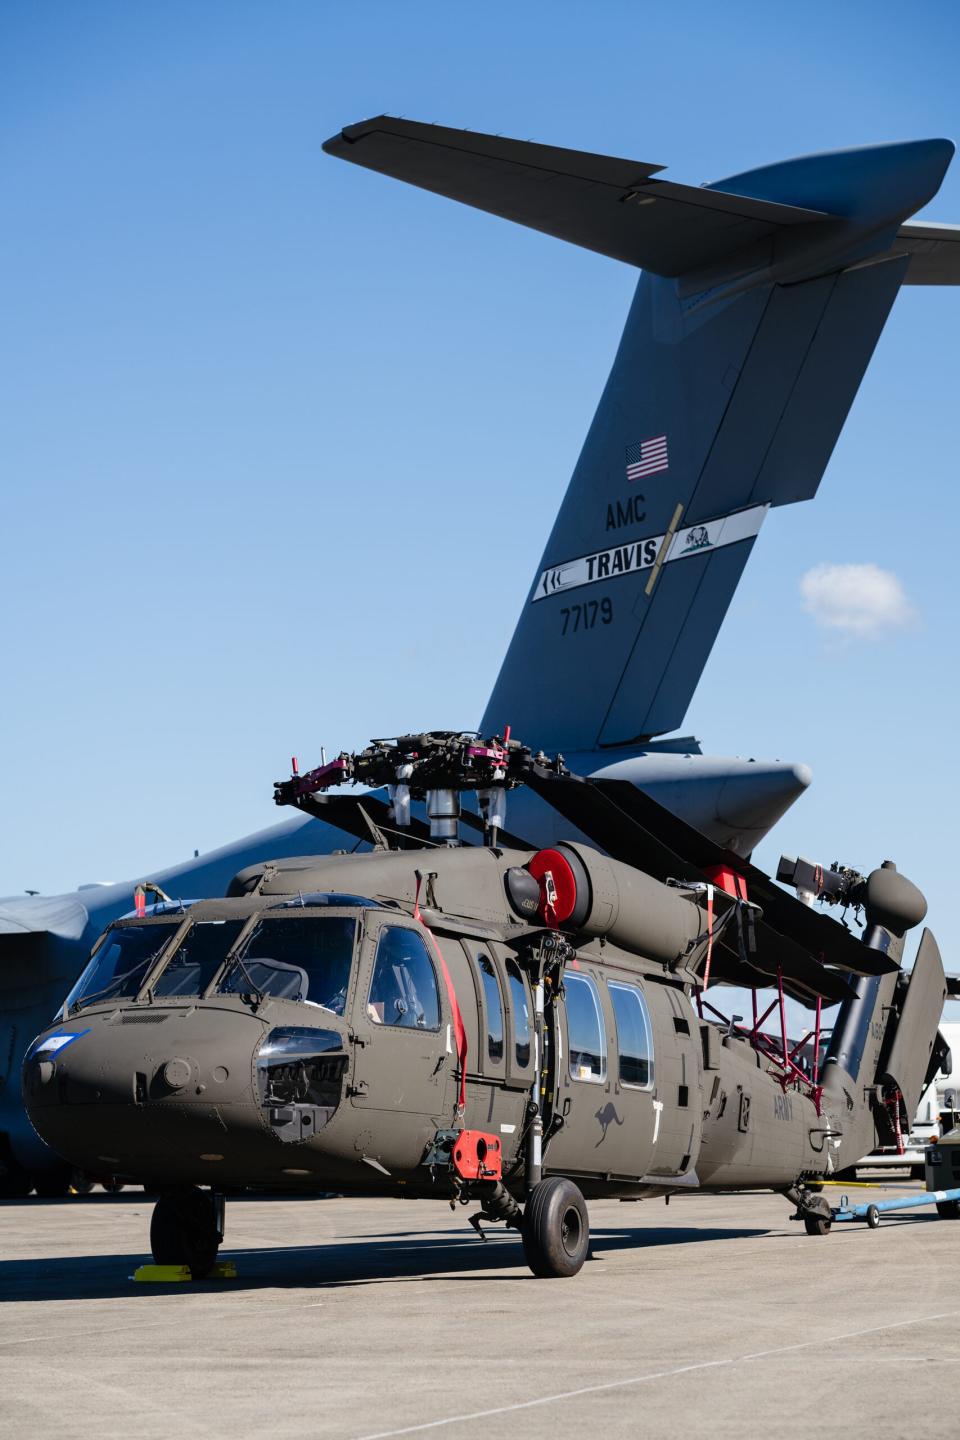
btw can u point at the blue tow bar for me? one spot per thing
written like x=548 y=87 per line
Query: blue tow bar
x=871 y=1213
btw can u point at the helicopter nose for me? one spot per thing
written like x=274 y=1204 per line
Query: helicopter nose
x=208 y=1095
x=123 y=1088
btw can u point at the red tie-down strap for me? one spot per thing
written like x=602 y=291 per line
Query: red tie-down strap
x=459 y=1032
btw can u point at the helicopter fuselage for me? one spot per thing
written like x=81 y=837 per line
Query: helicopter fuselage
x=318 y=1043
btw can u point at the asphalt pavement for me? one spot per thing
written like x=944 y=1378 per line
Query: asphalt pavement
x=715 y=1315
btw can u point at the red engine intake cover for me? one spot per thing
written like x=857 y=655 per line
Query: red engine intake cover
x=477 y=1156
x=726 y=879
x=550 y=863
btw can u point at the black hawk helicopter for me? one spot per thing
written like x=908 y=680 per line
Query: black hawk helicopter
x=495 y=1025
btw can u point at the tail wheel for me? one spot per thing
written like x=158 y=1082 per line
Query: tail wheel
x=948 y=1209
x=183 y=1231
x=818 y=1217
x=556 y=1228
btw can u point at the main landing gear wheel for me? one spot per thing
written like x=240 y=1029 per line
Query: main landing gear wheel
x=818 y=1216
x=54 y=1184
x=556 y=1228
x=183 y=1230
x=948 y=1209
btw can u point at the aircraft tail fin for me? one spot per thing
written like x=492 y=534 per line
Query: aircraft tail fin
x=600 y=202
x=913 y=1031
x=761 y=303
x=886 y=1044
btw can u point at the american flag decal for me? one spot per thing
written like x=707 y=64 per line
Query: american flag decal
x=647 y=458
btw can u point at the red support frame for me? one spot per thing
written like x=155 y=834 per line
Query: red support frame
x=778 y=1053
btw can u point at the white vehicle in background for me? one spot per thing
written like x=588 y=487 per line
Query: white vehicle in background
x=937 y=1113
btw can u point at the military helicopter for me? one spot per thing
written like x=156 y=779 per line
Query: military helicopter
x=491 y=1025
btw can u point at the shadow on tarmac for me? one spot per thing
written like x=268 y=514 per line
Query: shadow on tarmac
x=403 y=1255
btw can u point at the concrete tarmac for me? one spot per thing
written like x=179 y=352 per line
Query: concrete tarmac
x=713 y=1316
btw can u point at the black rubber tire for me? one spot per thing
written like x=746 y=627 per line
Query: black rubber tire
x=872 y=1217
x=917 y=1172
x=111 y=1185
x=948 y=1209
x=819 y=1218
x=556 y=1228
x=53 y=1184
x=183 y=1231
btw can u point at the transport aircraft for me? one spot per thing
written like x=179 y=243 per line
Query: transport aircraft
x=760 y=301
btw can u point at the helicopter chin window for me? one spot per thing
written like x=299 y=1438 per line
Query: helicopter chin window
x=304 y=959
x=300 y=1079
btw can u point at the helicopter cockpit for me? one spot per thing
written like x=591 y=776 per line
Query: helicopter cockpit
x=284 y=984
x=305 y=958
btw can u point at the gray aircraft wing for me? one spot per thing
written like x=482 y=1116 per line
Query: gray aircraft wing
x=934 y=252
x=62 y=915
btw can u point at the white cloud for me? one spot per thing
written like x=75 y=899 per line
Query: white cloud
x=860 y=600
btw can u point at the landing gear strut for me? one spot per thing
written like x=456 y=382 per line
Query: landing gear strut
x=556 y=1228
x=814 y=1210
x=186 y=1228
x=818 y=1216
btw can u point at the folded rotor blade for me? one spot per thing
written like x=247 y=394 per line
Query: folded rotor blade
x=793 y=939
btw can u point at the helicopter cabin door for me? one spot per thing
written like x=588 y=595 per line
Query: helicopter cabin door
x=404 y=1058
x=625 y=1083
x=496 y=1006
x=604 y=1080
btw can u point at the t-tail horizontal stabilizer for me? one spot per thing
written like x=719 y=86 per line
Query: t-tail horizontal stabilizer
x=763 y=298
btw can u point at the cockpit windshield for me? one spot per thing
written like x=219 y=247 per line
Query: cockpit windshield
x=197 y=958
x=122 y=962
x=306 y=959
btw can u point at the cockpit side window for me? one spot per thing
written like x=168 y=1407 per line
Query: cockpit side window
x=306 y=959
x=403 y=990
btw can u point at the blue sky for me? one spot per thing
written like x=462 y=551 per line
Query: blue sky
x=256 y=405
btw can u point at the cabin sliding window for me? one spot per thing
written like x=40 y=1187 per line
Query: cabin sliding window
x=634 y=1035
x=585 y=1039
x=520 y=1005
x=403 y=990
x=493 y=1005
